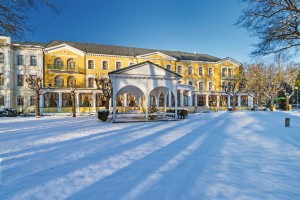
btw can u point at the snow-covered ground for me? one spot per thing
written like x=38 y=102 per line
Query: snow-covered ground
x=241 y=155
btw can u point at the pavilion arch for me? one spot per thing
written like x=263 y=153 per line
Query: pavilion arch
x=136 y=92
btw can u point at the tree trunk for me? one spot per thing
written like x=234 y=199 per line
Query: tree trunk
x=233 y=103
x=37 y=103
x=287 y=103
x=73 y=105
x=271 y=103
x=107 y=103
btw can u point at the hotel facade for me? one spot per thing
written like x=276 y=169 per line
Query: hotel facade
x=198 y=82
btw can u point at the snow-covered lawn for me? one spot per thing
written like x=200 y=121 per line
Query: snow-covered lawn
x=241 y=155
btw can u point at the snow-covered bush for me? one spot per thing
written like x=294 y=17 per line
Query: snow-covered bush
x=103 y=115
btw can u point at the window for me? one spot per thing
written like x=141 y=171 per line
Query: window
x=200 y=86
x=210 y=86
x=100 y=100
x=1 y=100
x=71 y=81
x=190 y=70
x=105 y=65
x=118 y=65
x=1 y=79
x=224 y=72
x=20 y=60
x=91 y=64
x=91 y=82
x=58 y=81
x=20 y=100
x=1 y=57
x=20 y=80
x=67 y=100
x=71 y=63
x=51 y=99
x=190 y=83
x=210 y=71
x=58 y=63
x=169 y=67
x=179 y=70
x=230 y=74
x=33 y=61
x=200 y=70
x=32 y=100
x=33 y=78
x=85 y=100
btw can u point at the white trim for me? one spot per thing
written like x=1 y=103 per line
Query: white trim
x=167 y=57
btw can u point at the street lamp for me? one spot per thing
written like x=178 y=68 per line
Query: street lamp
x=297 y=96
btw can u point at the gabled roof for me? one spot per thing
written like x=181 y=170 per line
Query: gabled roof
x=132 y=51
x=133 y=67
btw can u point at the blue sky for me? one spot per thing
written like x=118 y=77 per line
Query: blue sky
x=191 y=25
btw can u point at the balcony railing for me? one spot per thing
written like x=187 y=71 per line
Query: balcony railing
x=66 y=69
x=228 y=77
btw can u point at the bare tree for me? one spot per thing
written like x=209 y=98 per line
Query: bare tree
x=105 y=85
x=14 y=15
x=35 y=83
x=274 y=22
x=233 y=88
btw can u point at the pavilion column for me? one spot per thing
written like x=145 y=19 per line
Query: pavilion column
x=147 y=104
x=250 y=101
x=195 y=100
x=206 y=100
x=181 y=97
x=170 y=99
x=114 y=103
x=77 y=102
x=176 y=109
x=165 y=105
x=140 y=101
x=156 y=101
x=229 y=101
x=125 y=100
x=190 y=100
x=41 y=100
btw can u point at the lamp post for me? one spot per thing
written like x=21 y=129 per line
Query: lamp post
x=297 y=97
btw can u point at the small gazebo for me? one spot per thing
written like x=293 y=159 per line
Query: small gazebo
x=144 y=80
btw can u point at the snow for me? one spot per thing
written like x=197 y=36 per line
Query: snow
x=220 y=155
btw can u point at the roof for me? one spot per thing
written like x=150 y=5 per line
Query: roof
x=40 y=44
x=132 y=51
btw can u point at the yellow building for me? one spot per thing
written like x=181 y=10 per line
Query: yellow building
x=199 y=87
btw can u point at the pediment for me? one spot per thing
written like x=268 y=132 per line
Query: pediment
x=146 y=69
x=65 y=48
x=228 y=61
x=156 y=55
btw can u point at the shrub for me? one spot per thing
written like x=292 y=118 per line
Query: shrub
x=103 y=115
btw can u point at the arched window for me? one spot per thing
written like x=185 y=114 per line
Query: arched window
x=1 y=79
x=190 y=70
x=118 y=65
x=58 y=81
x=1 y=100
x=105 y=65
x=200 y=70
x=58 y=63
x=179 y=70
x=91 y=82
x=71 y=63
x=91 y=64
x=71 y=81
x=1 y=58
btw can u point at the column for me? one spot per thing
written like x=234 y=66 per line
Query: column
x=218 y=101
x=181 y=97
x=239 y=100
x=95 y=102
x=77 y=102
x=195 y=100
x=250 y=102
x=206 y=100
x=175 y=96
x=228 y=101
x=41 y=100
x=114 y=97
x=140 y=102
x=190 y=100
x=59 y=99
x=147 y=104
x=170 y=99
x=156 y=101
x=125 y=100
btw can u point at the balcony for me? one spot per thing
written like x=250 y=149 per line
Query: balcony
x=66 y=69
x=224 y=77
